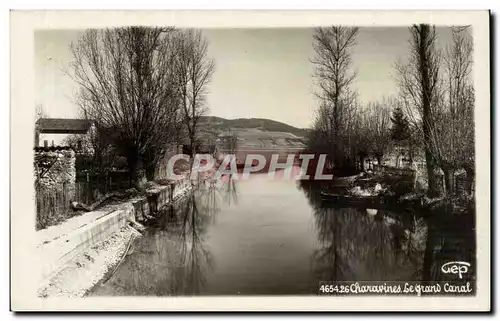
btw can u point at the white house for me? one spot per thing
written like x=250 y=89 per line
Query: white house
x=54 y=131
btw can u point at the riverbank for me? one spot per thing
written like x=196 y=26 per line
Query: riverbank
x=87 y=269
x=79 y=253
x=397 y=191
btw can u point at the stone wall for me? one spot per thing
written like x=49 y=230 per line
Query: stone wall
x=61 y=244
x=55 y=169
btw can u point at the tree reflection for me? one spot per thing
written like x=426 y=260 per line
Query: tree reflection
x=448 y=244
x=197 y=212
x=149 y=269
x=209 y=197
x=330 y=263
x=355 y=245
x=171 y=257
x=390 y=245
x=195 y=258
x=230 y=192
x=212 y=194
x=358 y=246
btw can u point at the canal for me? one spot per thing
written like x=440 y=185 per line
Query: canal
x=275 y=237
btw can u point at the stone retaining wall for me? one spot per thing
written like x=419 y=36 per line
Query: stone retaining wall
x=61 y=249
x=55 y=169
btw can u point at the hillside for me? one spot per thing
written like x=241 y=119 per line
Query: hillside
x=261 y=124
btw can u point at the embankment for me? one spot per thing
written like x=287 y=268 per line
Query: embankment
x=77 y=254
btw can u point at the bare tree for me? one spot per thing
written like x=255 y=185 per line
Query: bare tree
x=362 y=142
x=452 y=131
x=378 y=128
x=127 y=83
x=467 y=150
x=321 y=135
x=39 y=112
x=193 y=72
x=419 y=83
x=347 y=137
x=96 y=145
x=333 y=71
x=230 y=142
x=459 y=60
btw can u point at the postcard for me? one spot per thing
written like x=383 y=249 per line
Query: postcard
x=250 y=161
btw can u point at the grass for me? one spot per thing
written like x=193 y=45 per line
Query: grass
x=52 y=207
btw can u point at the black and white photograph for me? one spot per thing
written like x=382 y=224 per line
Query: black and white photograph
x=328 y=162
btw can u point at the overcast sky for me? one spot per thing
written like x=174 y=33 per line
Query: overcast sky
x=262 y=73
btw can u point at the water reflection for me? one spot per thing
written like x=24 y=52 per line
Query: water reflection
x=357 y=246
x=230 y=192
x=171 y=257
x=366 y=244
x=194 y=215
x=448 y=244
x=269 y=237
x=195 y=258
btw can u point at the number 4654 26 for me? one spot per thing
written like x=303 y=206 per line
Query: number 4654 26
x=329 y=288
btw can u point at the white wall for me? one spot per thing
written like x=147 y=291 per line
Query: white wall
x=57 y=138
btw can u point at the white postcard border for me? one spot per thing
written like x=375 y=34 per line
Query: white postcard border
x=23 y=261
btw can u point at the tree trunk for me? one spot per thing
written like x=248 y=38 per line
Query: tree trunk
x=399 y=159
x=136 y=168
x=192 y=144
x=362 y=162
x=428 y=255
x=426 y=94
x=470 y=174
x=449 y=181
x=139 y=177
x=410 y=153
x=149 y=164
x=432 y=190
x=150 y=172
x=379 y=160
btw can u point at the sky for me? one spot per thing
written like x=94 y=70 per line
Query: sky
x=260 y=73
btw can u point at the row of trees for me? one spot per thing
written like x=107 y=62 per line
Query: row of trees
x=145 y=87
x=433 y=110
x=438 y=94
x=343 y=129
x=336 y=116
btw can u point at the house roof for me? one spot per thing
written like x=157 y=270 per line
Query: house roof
x=63 y=125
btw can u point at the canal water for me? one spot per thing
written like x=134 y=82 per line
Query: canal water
x=276 y=237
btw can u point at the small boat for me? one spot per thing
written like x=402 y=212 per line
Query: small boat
x=373 y=202
x=330 y=196
x=353 y=199
x=333 y=196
